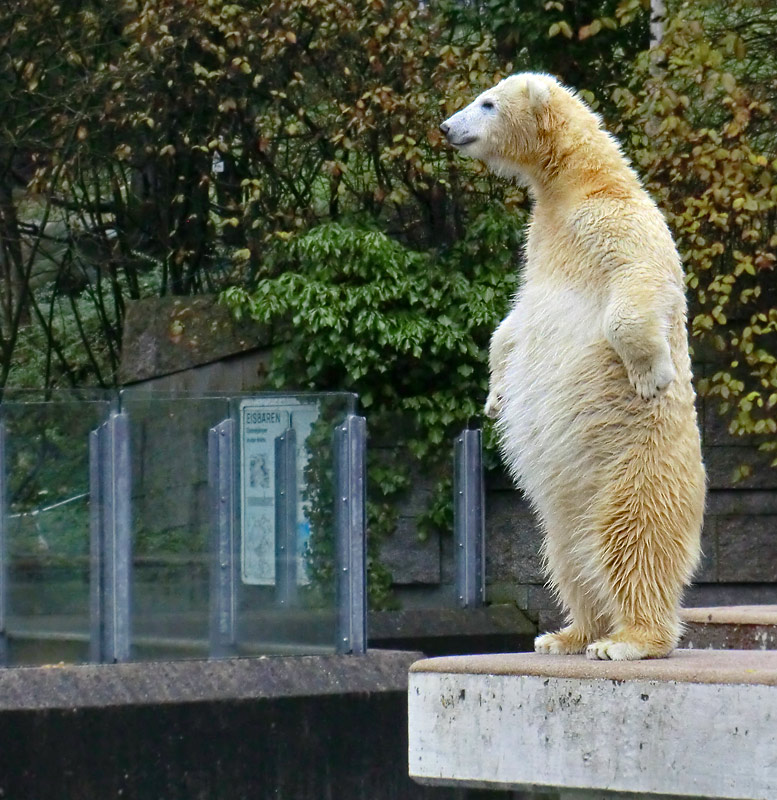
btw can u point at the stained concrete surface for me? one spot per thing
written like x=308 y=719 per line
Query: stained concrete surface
x=700 y=724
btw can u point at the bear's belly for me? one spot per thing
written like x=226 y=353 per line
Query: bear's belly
x=562 y=379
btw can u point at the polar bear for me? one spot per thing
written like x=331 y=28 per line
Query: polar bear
x=590 y=373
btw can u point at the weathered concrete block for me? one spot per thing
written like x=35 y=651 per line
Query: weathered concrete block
x=546 y=608
x=540 y=596
x=513 y=540
x=409 y=559
x=448 y=562
x=715 y=429
x=170 y=334
x=695 y=724
x=741 y=502
x=728 y=594
x=730 y=628
x=747 y=548
x=722 y=463
x=489 y=629
x=508 y=593
x=708 y=568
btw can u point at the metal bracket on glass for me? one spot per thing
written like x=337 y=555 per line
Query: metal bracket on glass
x=3 y=552
x=110 y=553
x=350 y=444
x=286 y=518
x=223 y=570
x=469 y=519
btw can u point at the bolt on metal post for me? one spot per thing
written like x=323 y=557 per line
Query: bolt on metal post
x=469 y=519
x=223 y=544
x=350 y=445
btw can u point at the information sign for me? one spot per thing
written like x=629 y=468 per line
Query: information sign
x=262 y=421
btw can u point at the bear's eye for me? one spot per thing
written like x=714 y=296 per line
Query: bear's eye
x=487 y=105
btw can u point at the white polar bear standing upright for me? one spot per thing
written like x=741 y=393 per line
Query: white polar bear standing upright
x=590 y=373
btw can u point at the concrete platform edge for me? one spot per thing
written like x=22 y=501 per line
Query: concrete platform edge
x=654 y=737
x=198 y=681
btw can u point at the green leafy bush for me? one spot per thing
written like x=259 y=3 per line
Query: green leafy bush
x=408 y=330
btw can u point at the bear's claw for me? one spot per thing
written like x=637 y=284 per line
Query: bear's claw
x=493 y=405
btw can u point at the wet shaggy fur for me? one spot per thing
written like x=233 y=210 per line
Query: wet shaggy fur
x=590 y=373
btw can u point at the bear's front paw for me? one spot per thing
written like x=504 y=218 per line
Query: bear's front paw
x=493 y=405
x=654 y=379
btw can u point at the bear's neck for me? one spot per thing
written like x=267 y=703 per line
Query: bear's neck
x=578 y=164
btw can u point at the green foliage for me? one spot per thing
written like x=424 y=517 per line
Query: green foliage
x=318 y=494
x=407 y=330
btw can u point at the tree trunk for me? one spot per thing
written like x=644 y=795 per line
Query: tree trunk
x=657 y=21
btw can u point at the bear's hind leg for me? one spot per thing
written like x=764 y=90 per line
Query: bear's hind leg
x=585 y=624
x=646 y=558
x=646 y=620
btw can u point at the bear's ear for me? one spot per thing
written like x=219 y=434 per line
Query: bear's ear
x=537 y=91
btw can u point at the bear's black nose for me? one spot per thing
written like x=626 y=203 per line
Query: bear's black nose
x=444 y=127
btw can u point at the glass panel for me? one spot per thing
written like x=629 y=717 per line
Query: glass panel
x=170 y=522
x=287 y=597
x=47 y=525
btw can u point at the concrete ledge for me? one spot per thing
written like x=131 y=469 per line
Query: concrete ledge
x=184 y=682
x=730 y=628
x=731 y=615
x=242 y=729
x=442 y=631
x=699 y=724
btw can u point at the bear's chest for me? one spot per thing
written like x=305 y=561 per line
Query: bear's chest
x=555 y=324
x=555 y=373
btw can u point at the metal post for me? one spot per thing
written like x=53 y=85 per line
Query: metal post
x=286 y=517
x=96 y=579
x=111 y=540
x=120 y=581
x=3 y=553
x=350 y=445
x=469 y=519
x=223 y=571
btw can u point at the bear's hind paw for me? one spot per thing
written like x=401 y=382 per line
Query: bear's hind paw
x=625 y=650
x=563 y=643
x=607 y=650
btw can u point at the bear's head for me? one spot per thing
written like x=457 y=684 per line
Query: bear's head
x=515 y=126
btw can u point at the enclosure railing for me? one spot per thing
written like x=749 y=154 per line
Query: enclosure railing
x=143 y=525
x=140 y=525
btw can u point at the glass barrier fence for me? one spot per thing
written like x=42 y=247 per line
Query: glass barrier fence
x=142 y=525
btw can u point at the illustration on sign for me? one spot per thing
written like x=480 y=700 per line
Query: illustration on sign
x=262 y=421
